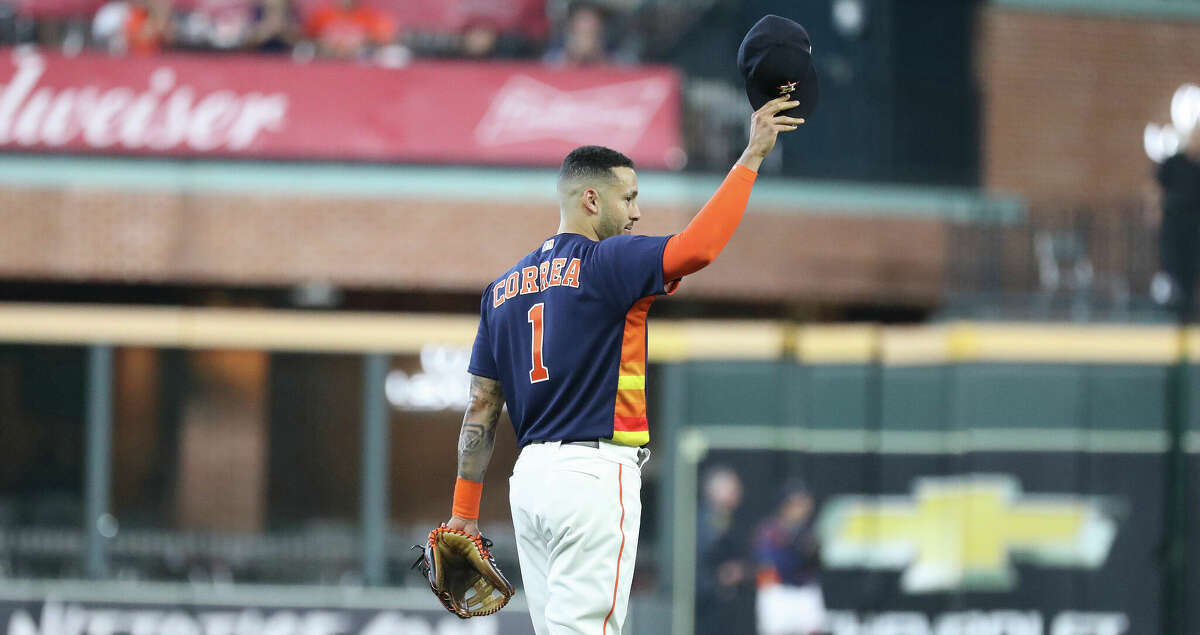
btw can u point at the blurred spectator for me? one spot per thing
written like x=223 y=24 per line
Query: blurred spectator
x=108 y=26
x=584 y=39
x=148 y=26
x=213 y=24
x=269 y=26
x=9 y=21
x=349 y=28
x=482 y=37
x=500 y=28
x=723 y=593
x=61 y=24
x=141 y=27
x=789 y=601
x=525 y=16
x=1179 y=236
x=479 y=38
x=274 y=27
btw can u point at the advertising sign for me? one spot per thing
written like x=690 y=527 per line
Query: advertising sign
x=997 y=543
x=69 y=617
x=248 y=107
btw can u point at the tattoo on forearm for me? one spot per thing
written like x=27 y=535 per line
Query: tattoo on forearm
x=477 y=437
x=470 y=438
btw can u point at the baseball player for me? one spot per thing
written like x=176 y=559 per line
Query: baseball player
x=562 y=341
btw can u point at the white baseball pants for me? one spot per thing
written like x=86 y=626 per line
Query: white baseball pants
x=576 y=512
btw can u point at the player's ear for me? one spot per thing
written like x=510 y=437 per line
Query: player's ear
x=591 y=200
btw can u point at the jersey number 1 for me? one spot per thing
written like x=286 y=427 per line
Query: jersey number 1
x=538 y=372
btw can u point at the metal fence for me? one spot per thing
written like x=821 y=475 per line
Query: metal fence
x=1078 y=264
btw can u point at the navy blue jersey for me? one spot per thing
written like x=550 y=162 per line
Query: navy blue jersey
x=564 y=331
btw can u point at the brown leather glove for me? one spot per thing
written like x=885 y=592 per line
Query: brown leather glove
x=462 y=573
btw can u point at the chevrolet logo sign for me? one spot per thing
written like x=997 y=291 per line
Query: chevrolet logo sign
x=963 y=532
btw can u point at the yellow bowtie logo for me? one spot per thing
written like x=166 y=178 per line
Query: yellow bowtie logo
x=963 y=532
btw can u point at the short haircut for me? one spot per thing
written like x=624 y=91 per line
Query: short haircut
x=579 y=7
x=592 y=162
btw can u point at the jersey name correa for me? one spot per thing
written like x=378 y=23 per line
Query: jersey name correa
x=564 y=331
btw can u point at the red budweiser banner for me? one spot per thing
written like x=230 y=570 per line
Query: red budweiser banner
x=247 y=107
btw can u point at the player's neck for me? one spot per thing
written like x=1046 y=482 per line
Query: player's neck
x=567 y=227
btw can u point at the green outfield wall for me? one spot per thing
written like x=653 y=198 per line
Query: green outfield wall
x=1005 y=417
x=968 y=477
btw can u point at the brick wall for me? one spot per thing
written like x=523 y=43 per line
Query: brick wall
x=236 y=239
x=1066 y=98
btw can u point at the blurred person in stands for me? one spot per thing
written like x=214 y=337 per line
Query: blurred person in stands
x=479 y=38
x=1179 y=234
x=148 y=28
x=274 y=27
x=141 y=27
x=500 y=28
x=789 y=600
x=349 y=28
x=12 y=24
x=723 y=598
x=266 y=26
x=584 y=39
x=482 y=37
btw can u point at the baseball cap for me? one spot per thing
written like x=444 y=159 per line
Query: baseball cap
x=775 y=59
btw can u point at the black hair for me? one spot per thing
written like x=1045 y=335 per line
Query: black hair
x=585 y=5
x=592 y=162
x=793 y=485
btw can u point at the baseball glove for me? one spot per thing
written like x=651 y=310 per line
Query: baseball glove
x=462 y=573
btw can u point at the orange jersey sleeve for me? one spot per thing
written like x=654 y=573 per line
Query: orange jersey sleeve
x=698 y=244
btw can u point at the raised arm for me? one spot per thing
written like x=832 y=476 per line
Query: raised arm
x=476 y=439
x=699 y=243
